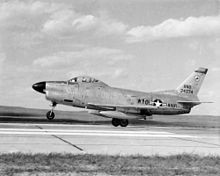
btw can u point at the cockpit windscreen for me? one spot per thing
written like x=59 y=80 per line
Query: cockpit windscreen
x=85 y=79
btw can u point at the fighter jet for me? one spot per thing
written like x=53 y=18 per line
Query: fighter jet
x=122 y=105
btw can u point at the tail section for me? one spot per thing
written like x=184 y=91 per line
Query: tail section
x=191 y=86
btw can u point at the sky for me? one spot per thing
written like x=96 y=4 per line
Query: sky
x=145 y=45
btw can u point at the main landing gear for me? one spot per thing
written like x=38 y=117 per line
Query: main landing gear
x=121 y=122
x=50 y=114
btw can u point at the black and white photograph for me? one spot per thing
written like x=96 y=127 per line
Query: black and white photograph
x=109 y=87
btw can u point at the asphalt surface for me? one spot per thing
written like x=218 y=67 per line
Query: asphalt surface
x=106 y=139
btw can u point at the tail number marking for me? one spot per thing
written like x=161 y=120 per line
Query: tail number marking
x=186 y=89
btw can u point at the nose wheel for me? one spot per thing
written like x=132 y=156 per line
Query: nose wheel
x=50 y=114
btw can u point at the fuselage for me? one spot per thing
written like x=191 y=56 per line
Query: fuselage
x=81 y=94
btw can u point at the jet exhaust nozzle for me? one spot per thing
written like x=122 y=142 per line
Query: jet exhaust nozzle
x=39 y=87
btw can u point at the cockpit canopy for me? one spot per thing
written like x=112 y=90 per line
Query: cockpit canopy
x=85 y=79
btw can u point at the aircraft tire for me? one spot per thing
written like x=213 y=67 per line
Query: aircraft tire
x=50 y=115
x=115 y=122
x=123 y=122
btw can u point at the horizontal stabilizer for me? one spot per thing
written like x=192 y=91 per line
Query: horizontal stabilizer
x=193 y=102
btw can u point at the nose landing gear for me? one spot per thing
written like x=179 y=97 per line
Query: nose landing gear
x=50 y=114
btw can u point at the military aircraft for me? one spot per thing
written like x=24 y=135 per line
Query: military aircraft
x=119 y=104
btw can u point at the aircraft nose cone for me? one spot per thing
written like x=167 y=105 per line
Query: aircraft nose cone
x=40 y=87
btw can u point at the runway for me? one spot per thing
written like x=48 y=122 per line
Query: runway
x=106 y=139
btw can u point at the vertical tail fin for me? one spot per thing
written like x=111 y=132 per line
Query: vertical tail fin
x=192 y=84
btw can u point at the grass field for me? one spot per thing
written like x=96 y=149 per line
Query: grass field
x=69 y=164
x=28 y=115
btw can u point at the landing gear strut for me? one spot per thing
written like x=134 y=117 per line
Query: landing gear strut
x=121 y=122
x=50 y=114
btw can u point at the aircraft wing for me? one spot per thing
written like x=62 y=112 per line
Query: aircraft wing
x=113 y=111
x=193 y=102
x=114 y=107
